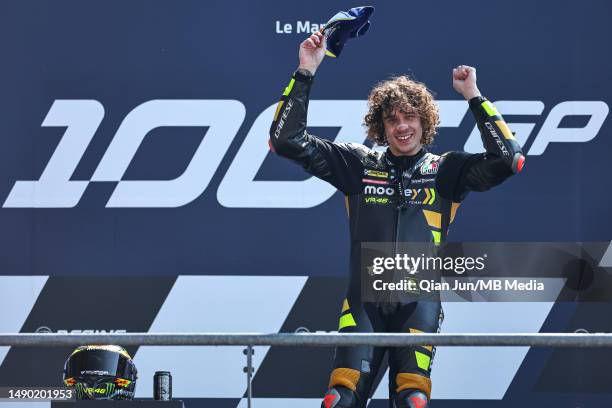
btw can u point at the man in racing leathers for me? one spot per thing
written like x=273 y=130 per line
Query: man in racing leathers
x=417 y=202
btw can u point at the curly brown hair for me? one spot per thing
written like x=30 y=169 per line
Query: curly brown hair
x=406 y=95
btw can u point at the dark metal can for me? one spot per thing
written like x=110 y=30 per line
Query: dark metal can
x=162 y=386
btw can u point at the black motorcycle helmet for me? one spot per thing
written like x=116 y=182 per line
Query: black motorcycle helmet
x=103 y=372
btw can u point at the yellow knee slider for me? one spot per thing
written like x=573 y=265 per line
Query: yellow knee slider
x=346 y=377
x=419 y=382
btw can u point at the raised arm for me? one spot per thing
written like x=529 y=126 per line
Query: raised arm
x=461 y=172
x=332 y=162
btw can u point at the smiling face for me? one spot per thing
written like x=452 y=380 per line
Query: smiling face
x=403 y=131
x=403 y=114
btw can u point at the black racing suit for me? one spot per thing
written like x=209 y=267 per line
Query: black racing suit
x=391 y=199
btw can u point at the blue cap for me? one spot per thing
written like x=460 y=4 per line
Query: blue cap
x=345 y=25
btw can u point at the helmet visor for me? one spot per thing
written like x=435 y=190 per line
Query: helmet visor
x=100 y=362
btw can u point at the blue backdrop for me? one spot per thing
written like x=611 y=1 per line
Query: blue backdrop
x=169 y=74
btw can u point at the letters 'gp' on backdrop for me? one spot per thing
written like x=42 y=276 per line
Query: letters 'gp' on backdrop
x=134 y=135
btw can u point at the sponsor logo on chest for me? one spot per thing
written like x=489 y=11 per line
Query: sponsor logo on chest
x=375 y=173
x=420 y=196
x=373 y=181
x=377 y=183
x=376 y=200
x=429 y=168
x=378 y=190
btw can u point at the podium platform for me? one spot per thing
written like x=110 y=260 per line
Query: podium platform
x=119 y=404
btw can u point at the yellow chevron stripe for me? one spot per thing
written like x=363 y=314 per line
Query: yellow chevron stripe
x=430 y=348
x=346 y=320
x=278 y=109
x=345 y=306
x=434 y=219
x=427 y=196
x=436 y=236
x=433 y=196
x=454 y=207
x=503 y=126
x=490 y=109
x=289 y=87
x=423 y=360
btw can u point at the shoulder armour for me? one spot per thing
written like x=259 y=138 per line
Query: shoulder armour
x=368 y=157
x=430 y=157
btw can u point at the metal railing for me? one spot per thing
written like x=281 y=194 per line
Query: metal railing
x=307 y=340
x=310 y=339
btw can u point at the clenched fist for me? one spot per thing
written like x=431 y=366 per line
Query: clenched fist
x=464 y=81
